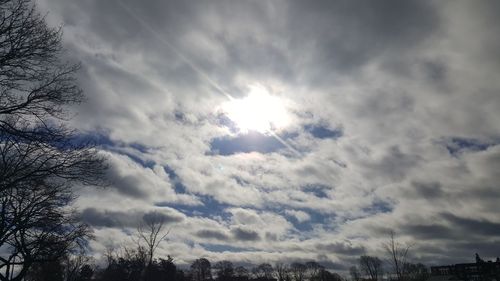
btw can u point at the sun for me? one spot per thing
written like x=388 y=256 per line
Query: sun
x=258 y=111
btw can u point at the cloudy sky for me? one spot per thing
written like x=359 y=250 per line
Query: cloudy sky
x=292 y=130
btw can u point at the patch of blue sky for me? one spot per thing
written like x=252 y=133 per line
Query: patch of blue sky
x=241 y=181
x=134 y=151
x=316 y=218
x=134 y=157
x=139 y=147
x=458 y=145
x=209 y=208
x=245 y=143
x=179 y=187
x=322 y=132
x=289 y=135
x=172 y=175
x=317 y=190
x=225 y=121
x=98 y=139
x=179 y=116
x=379 y=206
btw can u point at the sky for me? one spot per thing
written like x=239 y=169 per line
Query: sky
x=277 y=130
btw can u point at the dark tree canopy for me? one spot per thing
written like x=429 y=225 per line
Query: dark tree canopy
x=416 y=272
x=201 y=269
x=281 y=271
x=314 y=270
x=298 y=271
x=263 y=271
x=40 y=162
x=224 y=270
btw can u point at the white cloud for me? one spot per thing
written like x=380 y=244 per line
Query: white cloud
x=398 y=91
x=300 y=216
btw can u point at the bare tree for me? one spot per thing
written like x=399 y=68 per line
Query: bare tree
x=40 y=161
x=152 y=233
x=371 y=267
x=397 y=256
x=75 y=264
x=298 y=271
x=241 y=271
x=416 y=272
x=354 y=272
x=313 y=270
x=281 y=271
x=224 y=270
x=35 y=224
x=263 y=270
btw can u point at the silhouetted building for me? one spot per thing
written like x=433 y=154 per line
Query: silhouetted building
x=479 y=271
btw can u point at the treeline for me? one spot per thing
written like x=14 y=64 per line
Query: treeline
x=372 y=268
x=134 y=265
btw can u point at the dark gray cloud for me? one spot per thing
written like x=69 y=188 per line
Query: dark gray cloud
x=342 y=248
x=395 y=164
x=473 y=226
x=427 y=190
x=434 y=71
x=118 y=219
x=100 y=218
x=125 y=183
x=271 y=236
x=242 y=234
x=157 y=217
x=212 y=234
x=346 y=34
x=429 y=231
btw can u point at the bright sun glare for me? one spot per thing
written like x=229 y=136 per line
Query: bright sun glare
x=258 y=111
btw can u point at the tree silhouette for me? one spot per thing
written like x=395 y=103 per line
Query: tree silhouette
x=397 y=256
x=152 y=233
x=40 y=160
x=263 y=271
x=71 y=268
x=282 y=271
x=329 y=276
x=313 y=270
x=168 y=268
x=371 y=267
x=76 y=265
x=241 y=273
x=224 y=270
x=86 y=273
x=298 y=271
x=128 y=266
x=354 y=272
x=201 y=269
x=46 y=271
x=416 y=272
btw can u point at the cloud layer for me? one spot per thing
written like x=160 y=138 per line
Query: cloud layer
x=395 y=110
